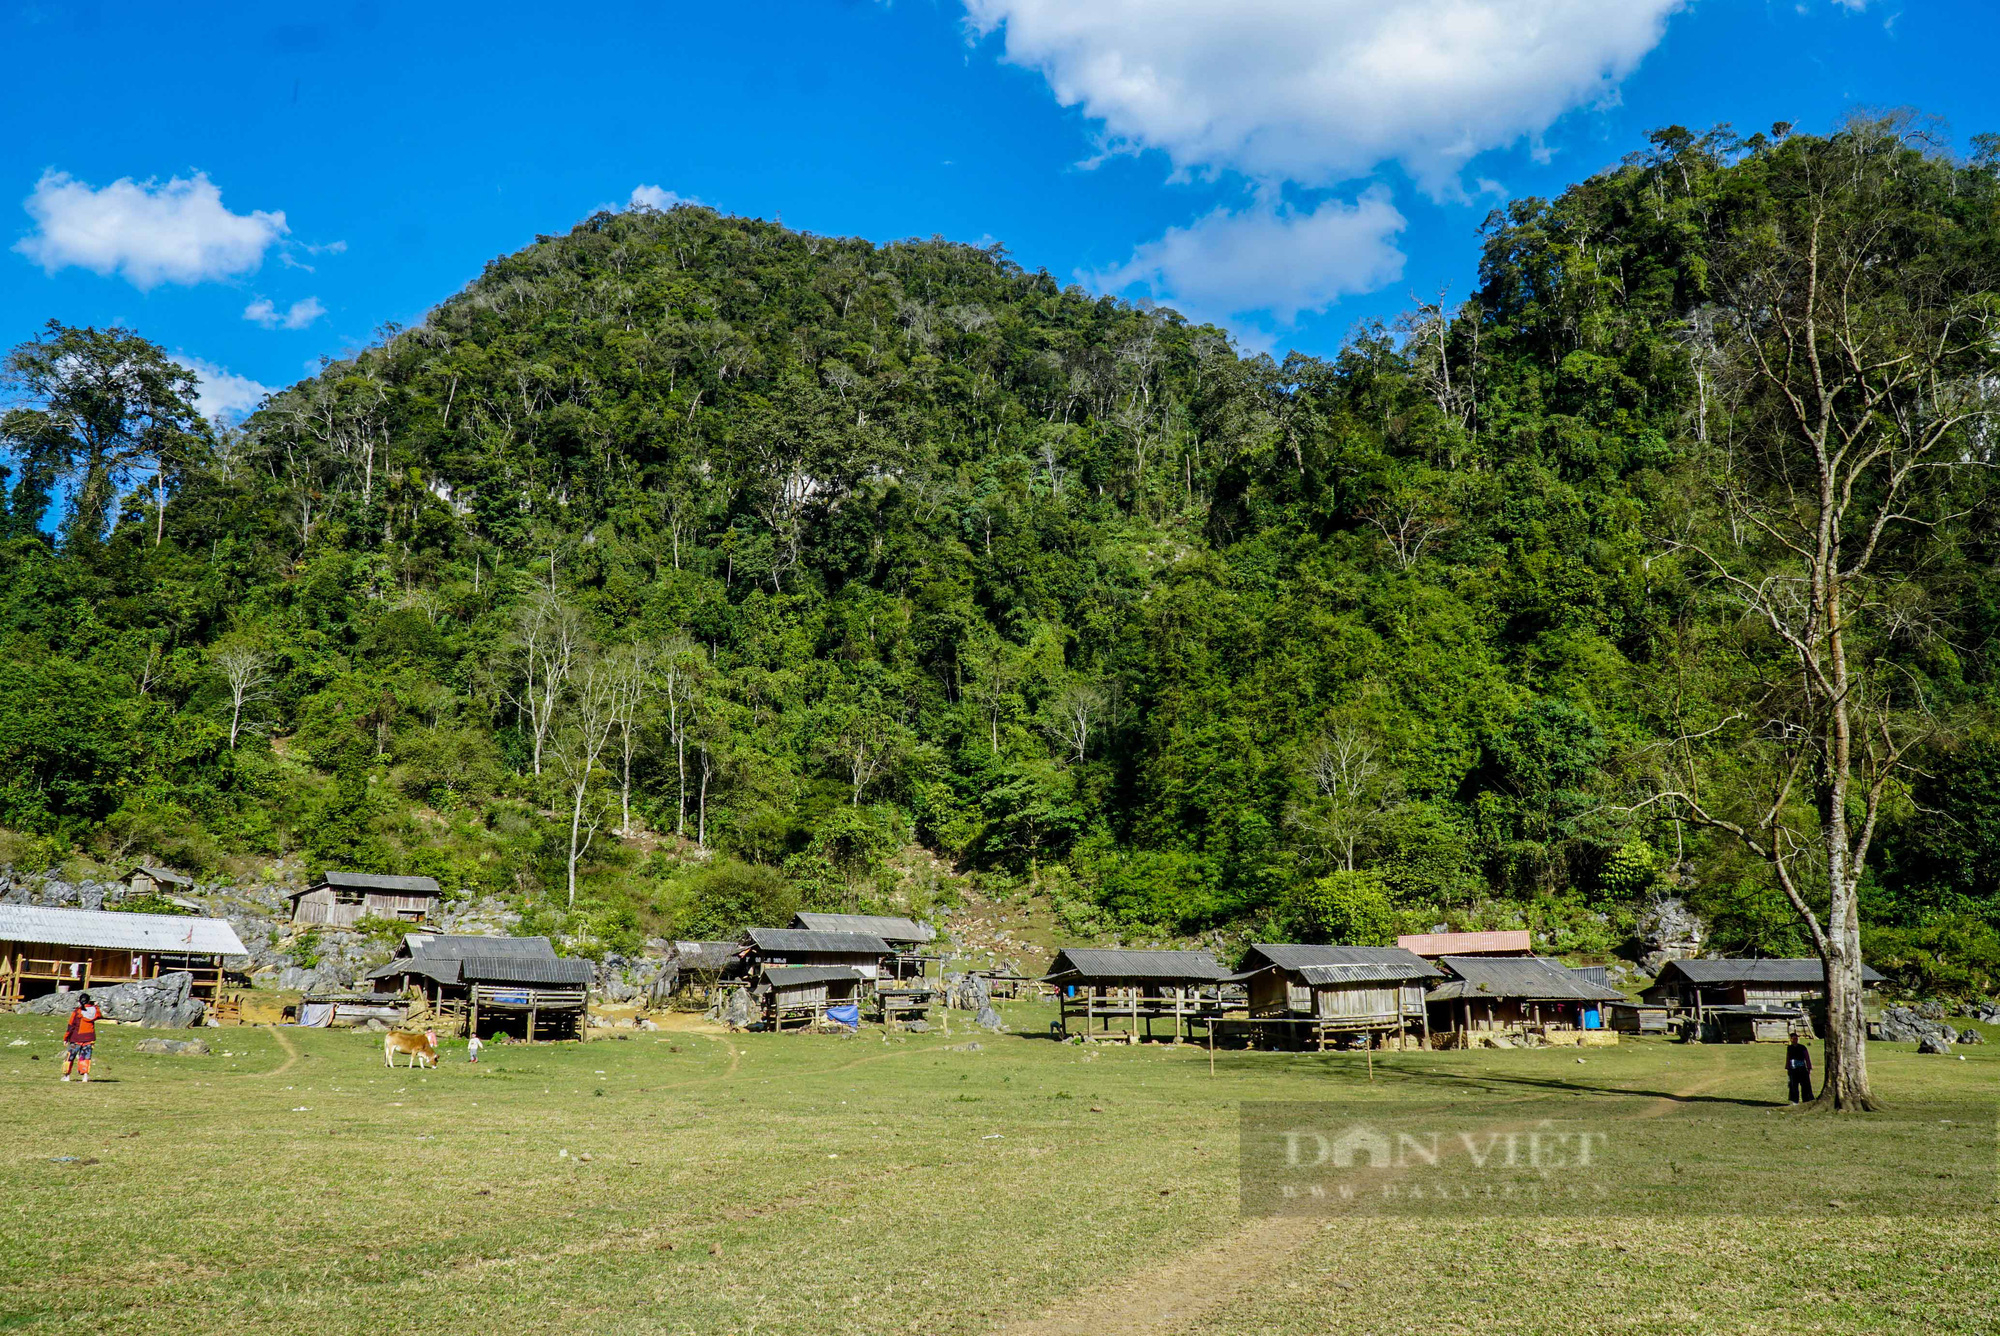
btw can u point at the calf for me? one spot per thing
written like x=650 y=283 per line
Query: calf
x=422 y=1048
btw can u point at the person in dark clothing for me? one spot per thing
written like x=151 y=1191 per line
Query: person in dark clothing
x=1798 y=1070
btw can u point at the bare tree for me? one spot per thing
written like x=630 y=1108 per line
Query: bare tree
x=1073 y=715
x=247 y=672
x=632 y=685
x=1411 y=520
x=1867 y=366
x=1349 y=786
x=578 y=748
x=548 y=638
x=996 y=674
x=679 y=667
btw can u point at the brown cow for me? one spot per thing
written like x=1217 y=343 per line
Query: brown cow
x=422 y=1048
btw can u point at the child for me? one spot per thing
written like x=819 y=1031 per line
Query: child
x=472 y=1047
x=80 y=1037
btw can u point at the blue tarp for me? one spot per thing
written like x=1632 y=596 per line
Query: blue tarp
x=1592 y=1020
x=848 y=1015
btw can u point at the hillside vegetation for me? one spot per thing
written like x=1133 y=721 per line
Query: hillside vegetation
x=685 y=570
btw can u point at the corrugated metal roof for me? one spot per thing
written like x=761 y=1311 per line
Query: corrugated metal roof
x=1434 y=944
x=889 y=927
x=703 y=955
x=165 y=874
x=166 y=933
x=1719 y=973
x=553 y=972
x=1291 y=956
x=452 y=946
x=375 y=881
x=1531 y=978
x=444 y=971
x=826 y=943
x=1321 y=976
x=791 y=976
x=1084 y=964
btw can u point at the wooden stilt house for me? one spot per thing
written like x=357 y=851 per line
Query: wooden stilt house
x=906 y=938
x=1695 y=987
x=47 y=950
x=493 y=984
x=1314 y=996
x=799 y=996
x=1512 y=997
x=862 y=952
x=1117 y=993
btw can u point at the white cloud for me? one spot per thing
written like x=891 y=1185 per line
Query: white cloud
x=301 y=313
x=653 y=197
x=223 y=396
x=151 y=233
x=1269 y=257
x=1322 y=91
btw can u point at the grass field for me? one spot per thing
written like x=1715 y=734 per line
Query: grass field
x=738 y=1183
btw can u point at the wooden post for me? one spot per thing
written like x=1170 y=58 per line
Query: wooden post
x=531 y=1021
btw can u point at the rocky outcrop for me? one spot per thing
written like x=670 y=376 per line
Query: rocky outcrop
x=1909 y=1025
x=1669 y=930
x=163 y=1003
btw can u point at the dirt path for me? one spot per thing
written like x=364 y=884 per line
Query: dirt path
x=291 y=1053
x=1171 y=1295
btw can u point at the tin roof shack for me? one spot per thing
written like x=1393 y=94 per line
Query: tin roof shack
x=1640 y=1018
x=1696 y=986
x=148 y=879
x=797 y=996
x=1101 y=985
x=906 y=936
x=46 y=950
x=499 y=979
x=1500 y=998
x=1762 y=1023
x=549 y=997
x=343 y=899
x=692 y=970
x=862 y=952
x=1307 y=996
x=1437 y=945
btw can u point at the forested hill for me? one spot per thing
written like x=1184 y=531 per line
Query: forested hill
x=808 y=550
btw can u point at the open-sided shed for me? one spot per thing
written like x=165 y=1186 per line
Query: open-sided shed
x=1103 y=987
x=1484 y=996
x=800 y=994
x=1307 y=996
x=501 y=979
x=45 y=950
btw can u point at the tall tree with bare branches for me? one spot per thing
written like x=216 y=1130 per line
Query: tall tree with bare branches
x=1863 y=344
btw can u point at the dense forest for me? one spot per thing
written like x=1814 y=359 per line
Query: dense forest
x=685 y=570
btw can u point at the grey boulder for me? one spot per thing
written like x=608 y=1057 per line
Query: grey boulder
x=187 y=1048
x=163 y=1003
x=1931 y=1043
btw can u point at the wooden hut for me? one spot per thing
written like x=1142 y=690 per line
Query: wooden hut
x=799 y=995
x=1696 y=986
x=1113 y=992
x=694 y=968
x=343 y=899
x=1484 y=997
x=499 y=979
x=1639 y=1017
x=150 y=879
x=1310 y=996
x=46 y=950
x=862 y=952
x=906 y=937
x=1761 y=1023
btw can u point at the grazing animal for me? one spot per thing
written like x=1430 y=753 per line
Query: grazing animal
x=422 y=1048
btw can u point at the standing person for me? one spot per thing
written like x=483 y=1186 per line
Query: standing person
x=1798 y=1070
x=80 y=1037
x=472 y=1047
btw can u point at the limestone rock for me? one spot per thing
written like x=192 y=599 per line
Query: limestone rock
x=186 y=1048
x=162 y=1003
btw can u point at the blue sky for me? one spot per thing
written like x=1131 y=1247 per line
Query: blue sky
x=255 y=190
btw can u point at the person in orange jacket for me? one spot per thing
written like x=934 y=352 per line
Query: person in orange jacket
x=80 y=1037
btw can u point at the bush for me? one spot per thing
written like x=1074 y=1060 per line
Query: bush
x=727 y=896
x=1351 y=908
